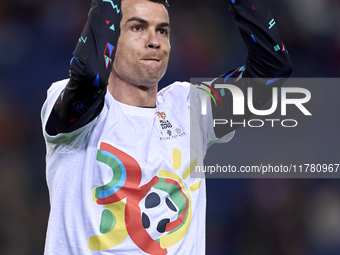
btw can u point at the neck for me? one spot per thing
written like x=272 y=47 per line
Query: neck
x=134 y=95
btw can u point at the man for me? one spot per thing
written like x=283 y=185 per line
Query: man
x=119 y=155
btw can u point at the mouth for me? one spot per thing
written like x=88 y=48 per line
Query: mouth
x=151 y=59
x=152 y=56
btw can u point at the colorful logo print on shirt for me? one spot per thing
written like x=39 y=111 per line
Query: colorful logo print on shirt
x=139 y=217
x=161 y=115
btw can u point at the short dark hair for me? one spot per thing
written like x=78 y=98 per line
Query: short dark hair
x=163 y=2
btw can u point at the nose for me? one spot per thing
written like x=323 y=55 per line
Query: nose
x=153 y=41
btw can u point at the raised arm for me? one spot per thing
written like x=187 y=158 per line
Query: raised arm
x=83 y=97
x=267 y=58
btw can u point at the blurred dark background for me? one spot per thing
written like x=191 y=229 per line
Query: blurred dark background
x=244 y=216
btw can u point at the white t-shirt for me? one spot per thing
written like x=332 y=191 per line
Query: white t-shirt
x=121 y=184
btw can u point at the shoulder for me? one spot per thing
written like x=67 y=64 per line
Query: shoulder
x=175 y=87
x=177 y=91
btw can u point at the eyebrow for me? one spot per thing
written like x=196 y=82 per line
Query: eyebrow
x=146 y=23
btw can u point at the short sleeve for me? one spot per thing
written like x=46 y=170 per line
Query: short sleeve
x=61 y=138
x=201 y=116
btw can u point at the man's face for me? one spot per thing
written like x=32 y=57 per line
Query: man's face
x=143 y=47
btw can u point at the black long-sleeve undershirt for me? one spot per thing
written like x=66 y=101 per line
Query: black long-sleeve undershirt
x=83 y=97
x=267 y=64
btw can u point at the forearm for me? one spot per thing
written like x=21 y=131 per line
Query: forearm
x=267 y=55
x=83 y=97
x=268 y=60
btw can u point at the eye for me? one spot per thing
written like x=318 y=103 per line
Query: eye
x=163 y=31
x=137 y=28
